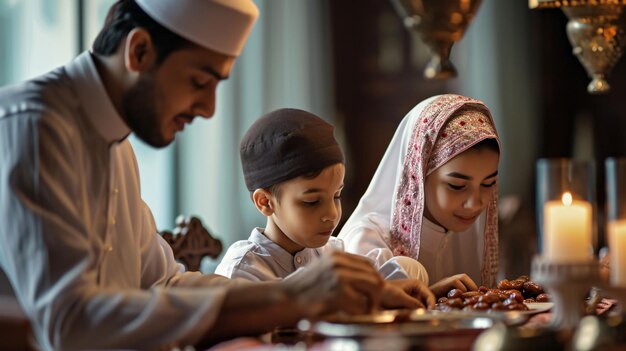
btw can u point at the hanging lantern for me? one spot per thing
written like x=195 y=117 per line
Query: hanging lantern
x=440 y=23
x=596 y=31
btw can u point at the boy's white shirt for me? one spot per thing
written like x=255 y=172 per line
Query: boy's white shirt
x=261 y=259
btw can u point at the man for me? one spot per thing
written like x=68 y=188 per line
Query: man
x=79 y=245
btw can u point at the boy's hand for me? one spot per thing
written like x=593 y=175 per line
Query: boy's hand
x=459 y=281
x=336 y=282
x=407 y=293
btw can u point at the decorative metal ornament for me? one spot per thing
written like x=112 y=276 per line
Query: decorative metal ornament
x=440 y=23
x=596 y=30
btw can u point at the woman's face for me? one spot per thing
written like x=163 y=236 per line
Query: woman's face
x=457 y=192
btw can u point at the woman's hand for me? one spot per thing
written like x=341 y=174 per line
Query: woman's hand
x=458 y=281
x=406 y=293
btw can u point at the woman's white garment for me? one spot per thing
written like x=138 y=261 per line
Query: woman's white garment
x=369 y=225
x=261 y=259
x=79 y=245
x=442 y=254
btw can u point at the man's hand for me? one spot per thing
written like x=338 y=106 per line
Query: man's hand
x=407 y=293
x=336 y=282
x=459 y=281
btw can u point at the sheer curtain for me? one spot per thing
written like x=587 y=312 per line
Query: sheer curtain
x=35 y=37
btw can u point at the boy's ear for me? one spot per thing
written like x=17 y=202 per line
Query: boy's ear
x=263 y=202
x=139 y=51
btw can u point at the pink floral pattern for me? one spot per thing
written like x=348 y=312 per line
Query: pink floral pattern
x=450 y=125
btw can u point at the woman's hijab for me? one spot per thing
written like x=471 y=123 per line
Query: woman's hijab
x=431 y=134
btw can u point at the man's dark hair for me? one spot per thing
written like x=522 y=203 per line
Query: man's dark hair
x=124 y=16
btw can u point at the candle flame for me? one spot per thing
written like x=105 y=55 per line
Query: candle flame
x=567 y=198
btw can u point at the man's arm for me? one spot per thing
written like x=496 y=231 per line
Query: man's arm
x=51 y=254
x=336 y=282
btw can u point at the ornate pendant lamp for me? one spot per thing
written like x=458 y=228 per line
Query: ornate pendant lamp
x=440 y=23
x=596 y=32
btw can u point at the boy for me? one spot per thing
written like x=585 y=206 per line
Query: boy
x=294 y=169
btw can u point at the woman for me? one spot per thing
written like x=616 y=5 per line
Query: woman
x=433 y=197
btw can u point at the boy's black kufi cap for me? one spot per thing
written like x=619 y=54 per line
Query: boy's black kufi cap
x=285 y=144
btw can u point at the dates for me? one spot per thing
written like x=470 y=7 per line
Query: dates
x=468 y=294
x=454 y=293
x=517 y=296
x=489 y=298
x=517 y=284
x=543 y=298
x=456 y=303
x=504 y=284
x=510 y=295
x=532 y=288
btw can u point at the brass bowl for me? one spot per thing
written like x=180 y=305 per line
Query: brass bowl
x=401 y=330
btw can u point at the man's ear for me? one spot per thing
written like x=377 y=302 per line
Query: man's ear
x=139 y=51
x=263 y=202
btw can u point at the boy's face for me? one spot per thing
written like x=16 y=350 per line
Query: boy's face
x=307 y=211
x=171 y=94
x=457 y=192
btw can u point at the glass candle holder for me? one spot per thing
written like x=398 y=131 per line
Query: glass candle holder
x=616 y=218
x=566 y=210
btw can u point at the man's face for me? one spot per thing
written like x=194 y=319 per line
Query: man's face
x=457 y=192
x=173 y=93
x=308 y=210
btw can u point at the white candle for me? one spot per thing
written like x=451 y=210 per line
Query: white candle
x=567 y=230
x=617 y=248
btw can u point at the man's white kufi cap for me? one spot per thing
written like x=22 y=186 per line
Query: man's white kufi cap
x=219 y=25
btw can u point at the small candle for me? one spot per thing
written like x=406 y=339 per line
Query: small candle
x=617 y=247
x=567 y=230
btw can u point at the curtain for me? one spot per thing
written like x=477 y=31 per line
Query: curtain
x=30 y=45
